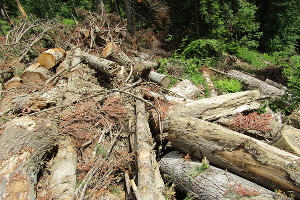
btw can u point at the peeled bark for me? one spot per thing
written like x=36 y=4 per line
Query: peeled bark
x=256 y=84
x=289 y=140
x=161 y=79
x=211 y=183
x=15 y=82
x=240 y=154
x=51 y=57
x=35 y=73
x=23 y=148
x=150 y=183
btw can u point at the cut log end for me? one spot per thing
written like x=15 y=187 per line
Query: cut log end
x=35 y=73
x=15 y=82
x=51 y=57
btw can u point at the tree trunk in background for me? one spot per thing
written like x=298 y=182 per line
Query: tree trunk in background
x=117 y=7
x=21 y=9
x=128 y=16
x=196 y=3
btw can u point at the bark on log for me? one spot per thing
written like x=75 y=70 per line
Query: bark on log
x=216 y=107
x=289 y=140
x=51 y=57
x=63 y=171
x=256 y=84
x=150 y=183
x=35 y=73
x=240 y=154
x=116 y=54
x=186 y=89
x=15 y=82
x=23 y=147
x=278 y=85
x=211 y=183
x=103 y=65
x=161 y=79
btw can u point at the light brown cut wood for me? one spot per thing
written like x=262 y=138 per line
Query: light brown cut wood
x=35 y=73
x=113 y=52
x=240 y=154
x=256 y=84
x=212 y=183
x=289 y=140
x=150 y=183
x=15 y=82
x=23 y=148
x=161 y=79
x=51 y=57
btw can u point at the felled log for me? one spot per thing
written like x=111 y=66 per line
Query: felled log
x=256 y=84
x=103 y=65
x=278 y=85
x=240 y=154
x=113 y=52
x=35 y=73
x=186 y=89
x=295 y=118
x=51 y=57
x=206 y=182
x=150 y=183
x=63 y=171
x=23 y=149
x=161 y=79
x=15 y=82
x=206 y=72
x=289 y=140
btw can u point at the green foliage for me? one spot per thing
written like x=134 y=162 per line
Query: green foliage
x=69 y=22
x=228 y=85
x=203 y=48
x=4 y=27
x=254 y=58
x=100 y=150
x=292 y=72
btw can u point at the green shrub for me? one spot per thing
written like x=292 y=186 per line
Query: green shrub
x=228 y=85
x=203 y=48
x=68 y=22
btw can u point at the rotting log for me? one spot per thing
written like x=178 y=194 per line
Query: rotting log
x=256 y=84
x=35 y=73
x=289 y=140
x=150 y=183
x=275 y=84
x=63 y=171
x=23 y=148
x=51 y=57
x=15 y=82
x=206 y=182
x=186 y=89
x=240 y=154
x=161 y=79
x=113 y=52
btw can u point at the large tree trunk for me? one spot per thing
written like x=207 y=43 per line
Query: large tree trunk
x=240 y=154
x=256 y=84
x=150 y=183
x=207 y=182
x=23 y=148
x=129 y=16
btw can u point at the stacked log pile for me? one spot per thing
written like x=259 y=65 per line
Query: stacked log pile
x=198 y=128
